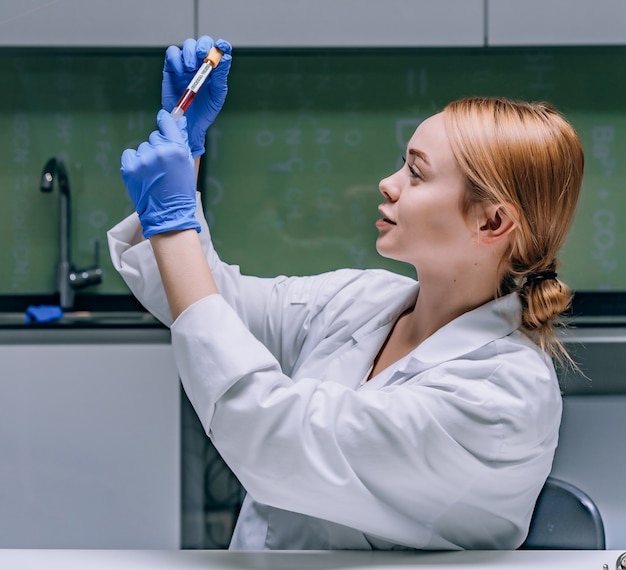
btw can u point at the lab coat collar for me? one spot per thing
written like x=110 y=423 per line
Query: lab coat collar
x=400 y=302
x=466 y=333
x=472 y=330
x=463 y=335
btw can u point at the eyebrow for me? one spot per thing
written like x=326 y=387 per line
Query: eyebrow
x=421 y=155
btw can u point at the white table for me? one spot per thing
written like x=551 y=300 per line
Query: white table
x=309 y=560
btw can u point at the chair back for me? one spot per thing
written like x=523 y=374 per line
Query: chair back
x=565 y=518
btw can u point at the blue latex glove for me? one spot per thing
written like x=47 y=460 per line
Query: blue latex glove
x=161 y=178
x=179 y=69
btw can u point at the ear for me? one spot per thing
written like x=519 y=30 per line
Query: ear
x=497 y=221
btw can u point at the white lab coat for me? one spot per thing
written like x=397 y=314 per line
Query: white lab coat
x=446 y=449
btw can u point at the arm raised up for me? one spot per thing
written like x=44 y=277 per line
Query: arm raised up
x=161 y=180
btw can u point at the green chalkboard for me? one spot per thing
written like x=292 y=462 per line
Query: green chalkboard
x=290 y=178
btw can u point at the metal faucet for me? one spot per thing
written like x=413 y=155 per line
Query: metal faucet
x=68 y=279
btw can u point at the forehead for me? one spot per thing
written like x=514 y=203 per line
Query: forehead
x=431 y=139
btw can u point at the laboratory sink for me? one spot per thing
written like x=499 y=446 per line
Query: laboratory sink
x=84 y=319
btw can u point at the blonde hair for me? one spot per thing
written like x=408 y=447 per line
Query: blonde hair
x=529 y=157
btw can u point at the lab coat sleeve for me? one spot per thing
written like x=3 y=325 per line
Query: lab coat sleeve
x=404 y=463
x=133 y=258
x=257 y=301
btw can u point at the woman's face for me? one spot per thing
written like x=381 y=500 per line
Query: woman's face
x=422 y=222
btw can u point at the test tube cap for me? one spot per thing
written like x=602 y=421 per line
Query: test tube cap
x=214 y=56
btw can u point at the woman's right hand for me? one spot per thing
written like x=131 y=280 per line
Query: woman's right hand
x=179 y=69
x=160 y=179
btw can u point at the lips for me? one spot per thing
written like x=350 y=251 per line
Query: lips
x=386 y=218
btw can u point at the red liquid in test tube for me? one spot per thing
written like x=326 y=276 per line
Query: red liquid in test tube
x=210 y=61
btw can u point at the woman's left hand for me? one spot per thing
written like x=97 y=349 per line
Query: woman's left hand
x=179 y=69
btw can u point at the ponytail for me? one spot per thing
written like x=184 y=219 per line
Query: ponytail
x=545 y=299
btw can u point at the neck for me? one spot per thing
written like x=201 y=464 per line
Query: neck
x=440 y=301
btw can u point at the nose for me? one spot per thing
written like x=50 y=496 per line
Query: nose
x=389 y=187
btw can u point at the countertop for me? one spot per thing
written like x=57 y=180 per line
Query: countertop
x=304 y=560
x=94 y=319
x=88 y=311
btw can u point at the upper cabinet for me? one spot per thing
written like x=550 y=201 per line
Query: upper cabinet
x=344 y=23
x=556 y=22
x=91 y=23
x=312 y=23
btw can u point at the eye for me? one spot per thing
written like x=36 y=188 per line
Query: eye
x=414 y=173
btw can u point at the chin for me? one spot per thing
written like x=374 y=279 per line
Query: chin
x=380 y=249
x=388 y=253
x=384 y=252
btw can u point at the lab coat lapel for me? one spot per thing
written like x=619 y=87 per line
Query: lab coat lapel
x=351 y=366
x=463 y=335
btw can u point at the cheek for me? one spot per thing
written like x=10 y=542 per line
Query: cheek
x=424 y=213
x=436 y=221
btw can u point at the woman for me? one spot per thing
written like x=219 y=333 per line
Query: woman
x=362 y=409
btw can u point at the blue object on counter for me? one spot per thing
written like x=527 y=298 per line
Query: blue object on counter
x=43 y=313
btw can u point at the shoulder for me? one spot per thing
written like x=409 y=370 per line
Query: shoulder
x=522 y=359
x=350 y=297
x=522 y=374
x=508 y=382
x=367 y=291
x=523 y=391
x=375 y=282
x=342 y=285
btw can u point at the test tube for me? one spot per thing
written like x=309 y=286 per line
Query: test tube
x=210 y=61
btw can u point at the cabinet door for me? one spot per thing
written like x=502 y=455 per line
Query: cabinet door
x=344 y=23
x=556 y=22
x=89 y=447
x=87 y=23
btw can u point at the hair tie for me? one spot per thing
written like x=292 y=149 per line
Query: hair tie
x=540 y=276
